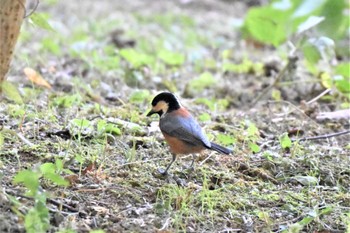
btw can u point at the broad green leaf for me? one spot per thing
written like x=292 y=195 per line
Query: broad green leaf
x=34 y=223
x=336 y=22
x=312 y=54
x=104 y=127
x=171 y=58
x=264 y=216
x=67 y=101
x=343 y=69
x=135 y=58
x=342 y=84
x=326 y=80
x=276 y=95
x=225 y=139
x=252 y=129
x=267 y=25
x=306 y=220
x=59 y=165
x=29 y=179
x=11 y=92
x=83 y=123
x=285 y=141
x=139 y=96
x=81 y=127
x=47 y=168
x=254 y=147
x=97 y=231
x=204 y=117
x=113 y=129
x=41 y=20
x=56 y=179
x=326 y=210
x=203 y=81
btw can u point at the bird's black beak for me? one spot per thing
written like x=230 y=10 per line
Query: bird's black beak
x=151 y=113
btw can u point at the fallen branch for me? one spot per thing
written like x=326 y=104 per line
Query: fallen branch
x=326 y=136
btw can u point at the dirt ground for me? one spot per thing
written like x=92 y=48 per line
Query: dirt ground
x=115 y=185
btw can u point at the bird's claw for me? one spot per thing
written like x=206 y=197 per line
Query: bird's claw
x=162 y=172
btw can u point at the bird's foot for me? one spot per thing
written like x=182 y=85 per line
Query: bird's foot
x=162 y=172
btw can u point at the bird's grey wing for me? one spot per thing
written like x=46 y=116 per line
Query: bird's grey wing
x=186 y=129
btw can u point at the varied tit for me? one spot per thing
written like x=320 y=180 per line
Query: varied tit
x=181 y=131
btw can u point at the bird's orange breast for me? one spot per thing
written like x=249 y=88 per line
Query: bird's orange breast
x=178 y=146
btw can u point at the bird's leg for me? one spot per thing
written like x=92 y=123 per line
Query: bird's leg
x=161 y=171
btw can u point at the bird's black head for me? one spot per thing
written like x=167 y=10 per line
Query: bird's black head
x=163 y=103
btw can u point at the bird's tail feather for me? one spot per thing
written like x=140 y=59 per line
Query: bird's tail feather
x=220 y=149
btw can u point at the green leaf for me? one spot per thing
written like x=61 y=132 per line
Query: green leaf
x=81 y=126
x=326 y=210
x=276 y=94
x=203 y=81
x=252 y=129
x=137 y=59
x=285 y=141
x=139 y=96
x=267 y=25
x=56 y=179
x=59 y=165
x=83 y=123
x=343 y=69
x=41 y=20
x=342 y=84
x=225 y=139
x=67 y=101
x=336 y=22
x=29 y=179
x=97 y=231
x=113 y=129
x=104 y=127
x=47 y=168
x=254 y=147
x=204 y=117
x=171 y=58
x=34 y=223
x=311 y=53
x=306 y=220
x=11 y=92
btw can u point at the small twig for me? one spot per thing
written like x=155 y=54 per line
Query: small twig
x=23 y=139
x=201 y=163
x=166 y=224
x=319 y=96
x=326 y=136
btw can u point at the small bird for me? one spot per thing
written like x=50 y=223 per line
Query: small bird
x=180 y=130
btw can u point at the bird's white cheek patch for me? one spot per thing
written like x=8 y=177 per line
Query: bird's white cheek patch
x=161 y=105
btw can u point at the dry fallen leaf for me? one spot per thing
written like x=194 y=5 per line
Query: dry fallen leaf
x=36 y=78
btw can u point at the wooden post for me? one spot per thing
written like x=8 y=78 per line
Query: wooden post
x=12 y=13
